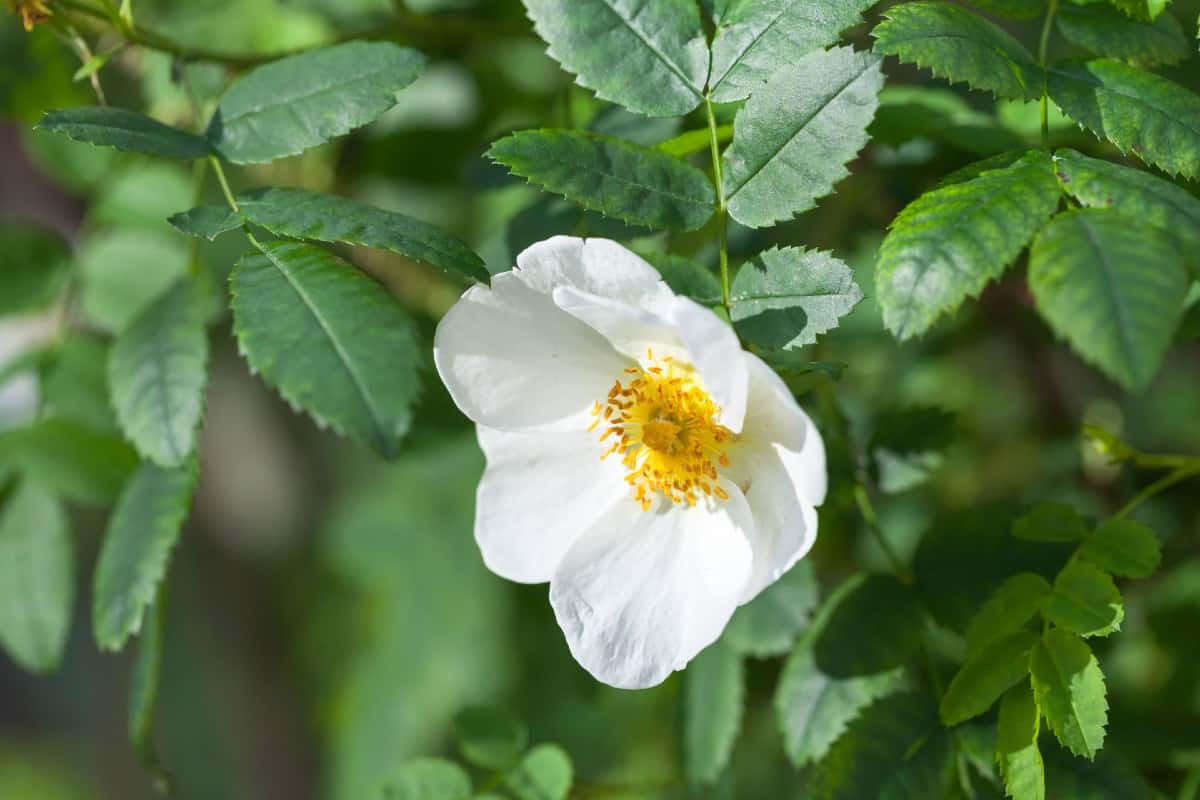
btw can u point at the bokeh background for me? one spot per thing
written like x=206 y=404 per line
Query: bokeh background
x=329 y=612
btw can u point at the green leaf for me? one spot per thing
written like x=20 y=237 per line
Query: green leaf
x=141 y=533
x=37 y=582
x=768 y=624
x=296 y=103
x=782 y=280
x=1109 y=33
x=1050 y=522
x=158 y=371
x=1014 y=603
x=1123 y=547
x=75 y=384
x=636 y=184
x=875 y=626
x=814 y=707
x=754 y=40
x=489 y=737
x=952 y=241
x=1088 y=275
x=651 y=58
x=793 y=138
x=968 y=554
x=71 y=459
x=207 y=222
x=1016 y=745
x=686 y=277
x=987 y=675
x=124 y=130
x=714 y=699
x=907 y=443
x=143 y=692
x=876 y=746
x=300 y=214
x=1139 y=112
x=1134 y=193
x=1084 y=601
x=1141 y=9
x=960 y=47
x=1070 y=691
x=123 y=271
x=428 y=779
x=33 y=264
x=544 y=774
x=330 y=339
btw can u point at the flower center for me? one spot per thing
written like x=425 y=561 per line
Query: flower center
x=664 y=427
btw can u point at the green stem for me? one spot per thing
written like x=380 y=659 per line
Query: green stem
x=863 y=500
x=1043 y=47
x=229 y=198
x=722 y=213
x=404 y=26
x=1180 y=474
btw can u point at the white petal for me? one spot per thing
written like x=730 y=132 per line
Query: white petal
x=785 y=522
x=680 y=328
x=642 y=592
x=774 y=417
x=629 y=329
x=717 y=356
x=539 y=493
x=596 y=266
x=513 y=360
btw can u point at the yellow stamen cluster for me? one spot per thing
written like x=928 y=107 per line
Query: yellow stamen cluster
x=664 y=427
x=32 y=11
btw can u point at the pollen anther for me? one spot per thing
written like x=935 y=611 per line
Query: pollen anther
x=667 y=434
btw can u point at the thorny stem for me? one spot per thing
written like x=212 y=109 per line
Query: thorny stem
x=722 y=213
x=1043 y=47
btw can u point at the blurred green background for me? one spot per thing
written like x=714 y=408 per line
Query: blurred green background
x=329 y=612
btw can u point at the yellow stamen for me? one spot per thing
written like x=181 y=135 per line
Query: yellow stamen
x=32 y=11
x=666 y=433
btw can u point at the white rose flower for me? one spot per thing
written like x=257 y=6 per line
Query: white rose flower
x=657 y=475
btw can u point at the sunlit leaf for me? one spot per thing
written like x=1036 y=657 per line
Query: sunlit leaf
x=1070 y=691
x=754 y=40
x=959 y=46
x=649 y=57
x=768 y=624
x=1014 y=603
x=1084 y=601
x=793 y=138
x=1141 y=113
x=783 y=280
x=986 y=676
x=1123 y=547
x=544 y=774
x=952 y=241
x=1016 y=745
